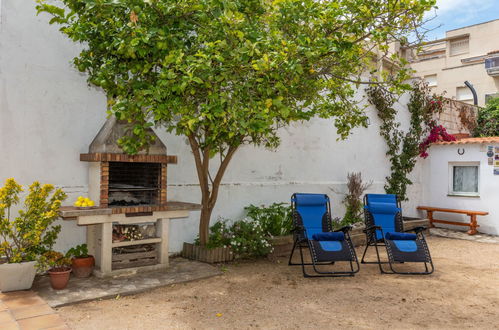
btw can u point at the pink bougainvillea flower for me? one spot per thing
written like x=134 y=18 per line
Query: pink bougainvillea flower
x=437 y=133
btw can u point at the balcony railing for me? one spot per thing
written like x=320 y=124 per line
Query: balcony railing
x=492 y=66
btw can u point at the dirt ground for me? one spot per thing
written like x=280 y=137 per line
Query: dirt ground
x=462 y=293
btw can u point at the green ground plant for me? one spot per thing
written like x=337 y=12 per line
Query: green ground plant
x=275 y=219
x=220 y=235
x=250 y=237
x=249 y=240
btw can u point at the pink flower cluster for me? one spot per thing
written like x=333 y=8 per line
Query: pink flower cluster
x=437 y=133
x=436 y=105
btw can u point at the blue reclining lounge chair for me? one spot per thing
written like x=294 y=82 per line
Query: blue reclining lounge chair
x=384 y=227
x=313 y=230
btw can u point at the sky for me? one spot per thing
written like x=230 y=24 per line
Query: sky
x=452 y=14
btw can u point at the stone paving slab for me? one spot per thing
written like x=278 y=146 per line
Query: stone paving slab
x=25 y=310
x=480 y=237
x=86 y=289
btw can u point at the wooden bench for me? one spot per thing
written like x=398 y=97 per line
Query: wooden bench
x=472 y=214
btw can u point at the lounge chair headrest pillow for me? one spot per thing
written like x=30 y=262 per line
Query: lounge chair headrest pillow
x=310 y=199
x=382 y=208
x=400 y=236
x=333 y=236
x=381 y=198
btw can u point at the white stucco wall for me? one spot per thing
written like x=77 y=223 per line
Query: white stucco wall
x=436 y=185
x=48 y=116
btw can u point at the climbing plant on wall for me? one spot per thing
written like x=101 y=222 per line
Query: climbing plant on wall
x=488 y=119
x=404 y=146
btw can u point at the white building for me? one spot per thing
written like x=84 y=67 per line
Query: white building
x=468 y=53
x=464 y=174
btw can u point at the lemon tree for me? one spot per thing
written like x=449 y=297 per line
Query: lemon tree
x=225 y=73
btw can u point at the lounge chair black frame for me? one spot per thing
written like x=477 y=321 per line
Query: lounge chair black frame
x=395 y=257
x=320 y=257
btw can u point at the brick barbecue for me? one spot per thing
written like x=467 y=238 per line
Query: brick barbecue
x=128 y=184
x=132 y=195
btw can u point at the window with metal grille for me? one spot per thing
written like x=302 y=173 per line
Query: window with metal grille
x=492 y=62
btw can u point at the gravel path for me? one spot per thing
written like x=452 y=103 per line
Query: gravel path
x=462 y=293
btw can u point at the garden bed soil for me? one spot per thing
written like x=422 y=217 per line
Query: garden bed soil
x=462 y=293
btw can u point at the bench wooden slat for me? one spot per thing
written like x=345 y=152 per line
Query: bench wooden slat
x=441 y=209
x=447 y=222
x=472 y=214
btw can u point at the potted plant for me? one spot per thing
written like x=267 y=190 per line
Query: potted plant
x=58 y=267
x=25 y=237
x=82 y=263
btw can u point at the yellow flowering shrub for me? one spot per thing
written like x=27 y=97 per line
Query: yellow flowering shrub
x=31 y=232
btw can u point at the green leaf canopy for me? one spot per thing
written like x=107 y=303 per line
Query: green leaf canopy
x=232 y=72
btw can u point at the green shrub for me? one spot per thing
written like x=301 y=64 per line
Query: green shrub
x=220 y=235
x=488 y=119
x=31 y=233
x=248 y=239
x=275 y=219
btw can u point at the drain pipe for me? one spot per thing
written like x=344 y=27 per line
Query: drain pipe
x=470 y=86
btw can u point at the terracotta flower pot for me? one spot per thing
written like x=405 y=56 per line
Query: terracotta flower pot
x=59 y=278
x=83 y=267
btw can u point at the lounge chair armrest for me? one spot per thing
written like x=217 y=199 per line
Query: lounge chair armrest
x=344 y=229
x=372 y=228
x=297 y=229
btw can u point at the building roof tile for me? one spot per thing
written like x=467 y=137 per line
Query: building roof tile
x=489 y=139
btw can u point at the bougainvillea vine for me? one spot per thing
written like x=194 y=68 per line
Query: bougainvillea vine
x=404 y=145
x=437 y=133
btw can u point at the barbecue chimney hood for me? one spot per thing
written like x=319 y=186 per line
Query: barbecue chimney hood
x=105 y=147
x=113 y=129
